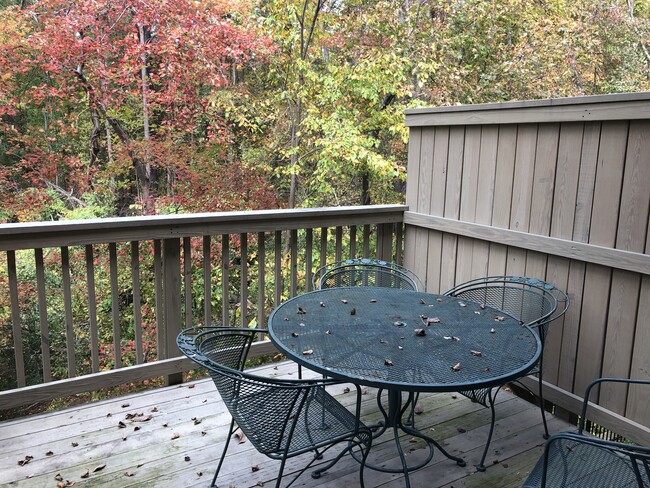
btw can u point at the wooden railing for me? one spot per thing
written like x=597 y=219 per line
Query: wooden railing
x=86 y=305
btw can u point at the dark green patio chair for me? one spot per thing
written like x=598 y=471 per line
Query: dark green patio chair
x=577 y=460
x=281 y=418
x=534 y=303
x=365 y=272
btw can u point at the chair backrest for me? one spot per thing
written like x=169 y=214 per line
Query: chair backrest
x=533 y=302
x=262 y=407
x=365 y=272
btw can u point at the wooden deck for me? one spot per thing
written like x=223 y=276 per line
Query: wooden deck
x=178 y=446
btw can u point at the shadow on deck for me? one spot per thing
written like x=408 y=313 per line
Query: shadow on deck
x=101 y=444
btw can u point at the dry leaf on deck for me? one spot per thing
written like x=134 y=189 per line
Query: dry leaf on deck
x=86 y=474
x=124 y=405
x=255 y=468
x=99 y=468
x=27 y=459
x=129 y=474
x=154 y=409
x=187 y=459
x=418 y=410
x=49 y=453
x=58 y=477
x=176 y=435
x=241 y=437
x=75 y=444
x=121 y=425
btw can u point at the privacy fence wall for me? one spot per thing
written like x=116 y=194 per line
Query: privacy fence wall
x=557 y=189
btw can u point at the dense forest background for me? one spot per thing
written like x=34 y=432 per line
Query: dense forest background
x=122 y=107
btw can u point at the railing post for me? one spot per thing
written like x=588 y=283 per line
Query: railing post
x=172 y=316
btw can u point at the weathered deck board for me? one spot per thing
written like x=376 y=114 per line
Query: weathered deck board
x=153 y=458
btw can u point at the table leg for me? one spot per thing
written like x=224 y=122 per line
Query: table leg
x=393 y=419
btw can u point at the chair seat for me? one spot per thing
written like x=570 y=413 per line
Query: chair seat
x=321 y=421
x=591 y=466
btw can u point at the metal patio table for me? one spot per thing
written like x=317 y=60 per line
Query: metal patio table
x=403 y=341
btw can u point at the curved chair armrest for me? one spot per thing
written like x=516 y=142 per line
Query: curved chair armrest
x=598 y=381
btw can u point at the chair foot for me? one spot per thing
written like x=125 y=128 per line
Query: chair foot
x=315 y=475
x=545 y=436
x=461 y=463
x=480 y=467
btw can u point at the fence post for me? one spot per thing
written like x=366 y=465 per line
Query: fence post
x=172 y=316
x=385 y=242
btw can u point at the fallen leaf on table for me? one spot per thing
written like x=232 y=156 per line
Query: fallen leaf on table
x=294 y=334
x=456 y=367
x=308 y=352
x=322 y=304
x=301 y=311
x=499 y=318
x=388 y=362
x=492 y=330
x=438 y=299
x=455 y=338
x=486 y=369
x=462 y=304
x=328 y=332
x=422 y=301
x=344 y=301
x=482 y=306
x=373 y=300
x=420 y=332
x=353 y=311
x=433 y=320
x=475 y=353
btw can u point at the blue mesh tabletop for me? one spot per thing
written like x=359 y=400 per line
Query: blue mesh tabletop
x=369 y=335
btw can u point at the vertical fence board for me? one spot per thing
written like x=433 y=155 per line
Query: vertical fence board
x=92 y=308
x=353 y=242
x=158 y=278
x=414 y=149
x=422 y=199
x=452 y=205
x=638 y=404
x=468 y=191
x=309 y=258
x=506 y=152
x=366 y=241
x=42 y=316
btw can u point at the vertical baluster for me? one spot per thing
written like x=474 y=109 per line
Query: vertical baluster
x=42 y=316
x=261 y=275
x=323 y=246
x=278 y=267
x=293 y=244
x=243 y=282
x=115 y=304
x=207 y=282
x=225 y=277
x=187 y=280
x=353 y=241
x=309 y=265
x=158 y=278
x=92 y=309
x=67 y=305
x=399 y=236
x=385 y=242
x=15 y=319
x=366 y=241
x=137 y=305
x=339 y=243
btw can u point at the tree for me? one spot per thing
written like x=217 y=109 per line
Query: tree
x=133 y=73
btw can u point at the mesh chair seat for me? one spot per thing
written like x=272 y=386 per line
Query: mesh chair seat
x=281 y=418
x=577 y=460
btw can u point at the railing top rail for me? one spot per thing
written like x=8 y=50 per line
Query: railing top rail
x=119 y=229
